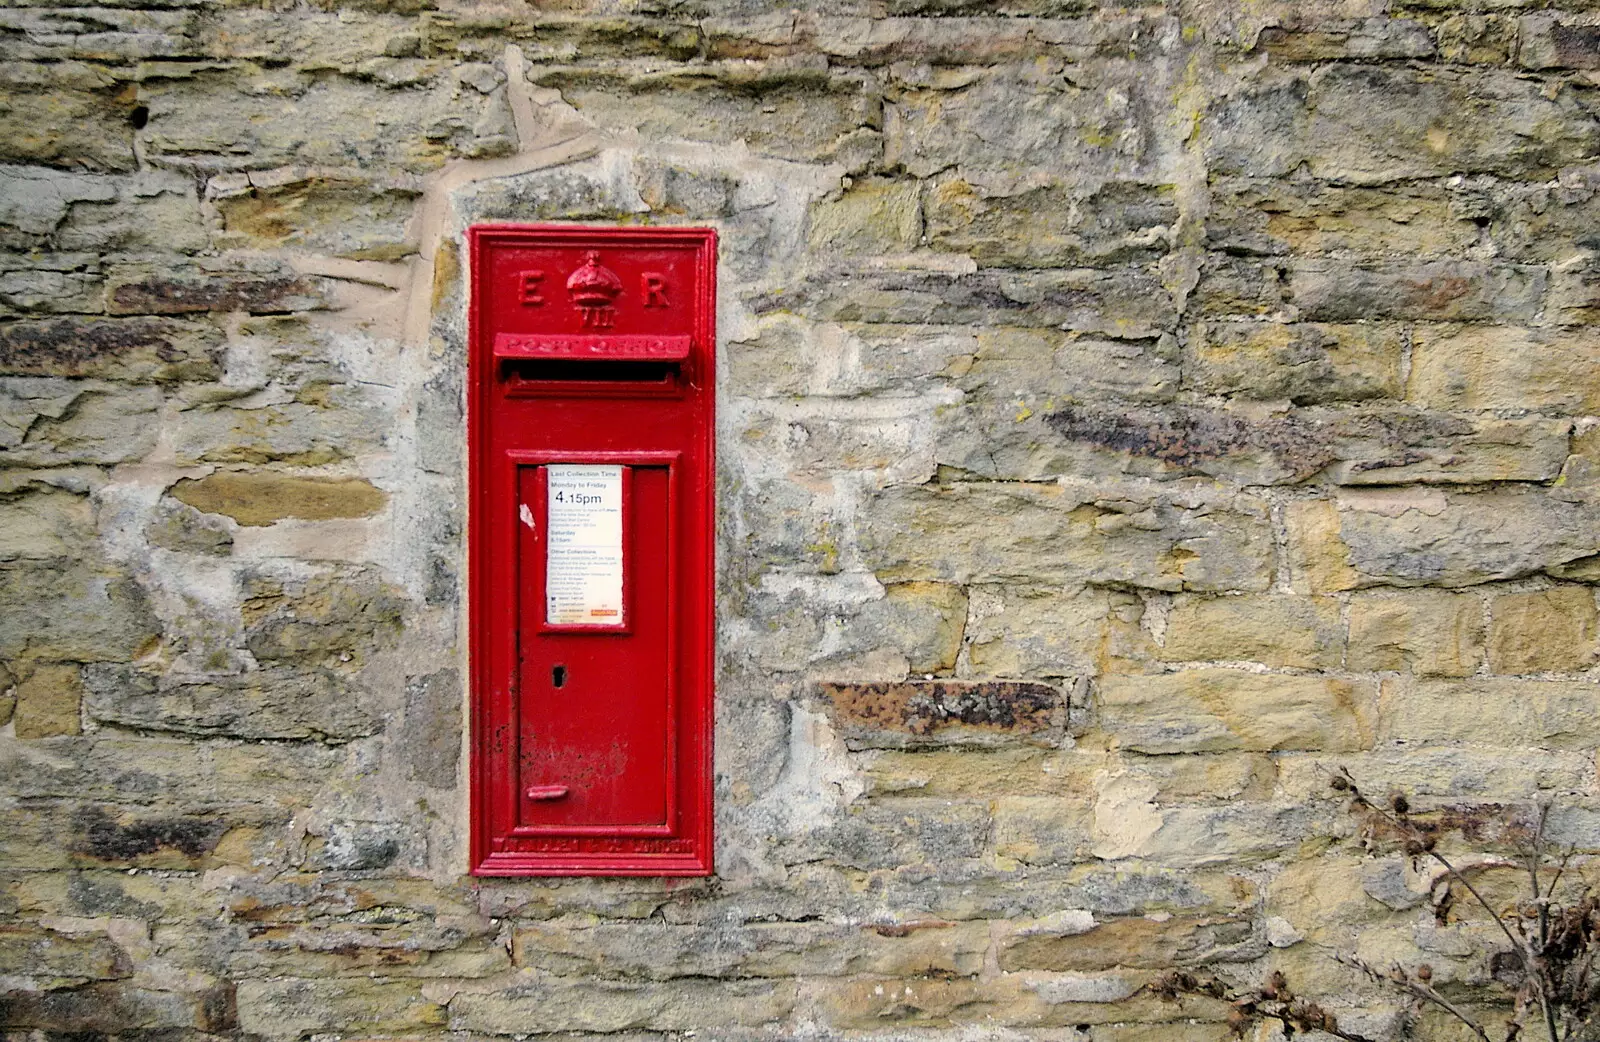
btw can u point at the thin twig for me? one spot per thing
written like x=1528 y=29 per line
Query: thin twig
x=1421 y=991
x=1524 y=953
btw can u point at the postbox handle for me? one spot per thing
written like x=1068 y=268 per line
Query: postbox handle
x=547 y=792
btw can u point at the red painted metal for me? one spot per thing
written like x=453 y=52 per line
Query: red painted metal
x=591 y=744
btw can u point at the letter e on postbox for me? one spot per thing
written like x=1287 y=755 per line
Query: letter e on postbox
x=590 y=550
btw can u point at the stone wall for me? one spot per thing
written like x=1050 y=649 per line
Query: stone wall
x=1129 y=416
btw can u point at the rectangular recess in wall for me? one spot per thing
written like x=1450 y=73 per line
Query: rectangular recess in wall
x=590 y=549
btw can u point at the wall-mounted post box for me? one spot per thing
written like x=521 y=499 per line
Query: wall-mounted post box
x=590 y=415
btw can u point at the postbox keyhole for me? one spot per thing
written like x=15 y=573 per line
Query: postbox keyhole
x=558 y=676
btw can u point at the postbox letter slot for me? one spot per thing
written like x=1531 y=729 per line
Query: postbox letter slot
x=568 y=371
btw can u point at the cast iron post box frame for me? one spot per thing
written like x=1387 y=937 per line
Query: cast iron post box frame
x=591 y=352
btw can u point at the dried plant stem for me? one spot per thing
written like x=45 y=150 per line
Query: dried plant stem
x=1520 y=945
x=1422 y=991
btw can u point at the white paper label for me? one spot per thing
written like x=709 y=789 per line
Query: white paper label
x=583 y=540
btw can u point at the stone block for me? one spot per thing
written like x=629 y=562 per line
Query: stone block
x=452 y=948
x=280 y=702
x=1371 y=124
x=1241 y=445
x=34 y=200
x=812 y=437
x=1446 y=772
x=183 y=529
x=1281 y=217
x=1325 y=899
x=1042 y=830
x=1085 y=128
x=1323 y=38
x=171 y=774
x=925 y=1004
x=1414 y=537
x=967 y=773
x=1124 y=301
x=30 y=951
x=289 y=1007
x=1503 y=713
x=1505 y=367
x=1424 y=290
x=1217 y=710
x=564 y=1005
x=697 y=191
x=294 y=433
x=1157 y=1032
x=1551 y=41
x=994 y=889
x=1426 y=632
x=934 y=713
x=366 y=846
x=261 y=497
x=1241 y=286
x=334 y=617
x=335 y=211
x=657 y=951
x=1186 y=777
x=841 y=623
x=930 y=618
x=65 y=117
x=1308 y=363
x=97 y=836
x=1006 y=1002
x=8 y=695
x=1574 y=298
x=29 y=291
x=1238 y=835
x=1543 y=222
x=1034 y=631
x=153 y=211
x=283 y=117
x=112 y=36
x=428 y=738
x=809 y=115
x=110 y=1007
x=779 y=359
x=1142 y=943
x=892 y=832
x=1012 y=365
x=595 y=189
x=1277 y=630
x=1050 y=226
x=1480 y=39
x=1543 y=630
x=1318 y=561
x=73 y=612
x=138 y=350
x=1167 y=538
x=178 y=292
x=48 y=698
x=872 y=216
x=38 y=522
x=51 y=422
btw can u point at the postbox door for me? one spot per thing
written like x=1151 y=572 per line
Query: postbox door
x=595 y=720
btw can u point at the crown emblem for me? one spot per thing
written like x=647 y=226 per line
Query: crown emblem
x=593 y=288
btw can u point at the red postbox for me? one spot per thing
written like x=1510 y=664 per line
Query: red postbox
x=590 y=414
